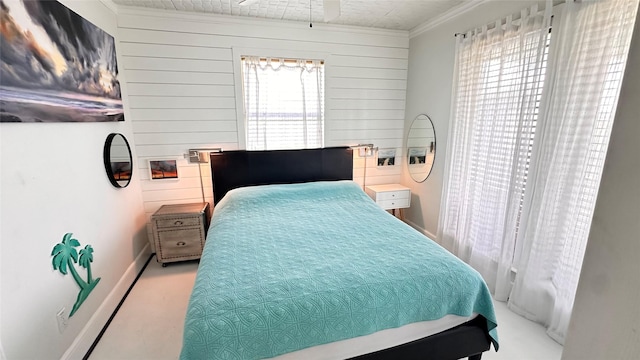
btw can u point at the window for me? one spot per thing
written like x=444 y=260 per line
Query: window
x=527 y=153
x=283 y=102
x=501 y=74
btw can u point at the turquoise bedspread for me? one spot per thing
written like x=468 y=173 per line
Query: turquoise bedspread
x=286 y=267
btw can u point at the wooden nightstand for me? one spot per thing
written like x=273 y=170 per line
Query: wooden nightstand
x=179 y=231
x=393 y=197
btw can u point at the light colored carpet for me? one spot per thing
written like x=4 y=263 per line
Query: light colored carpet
x=150 y=322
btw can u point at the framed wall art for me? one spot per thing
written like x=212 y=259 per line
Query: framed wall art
x=386 y=157
x=166 y=169
x=55 y=66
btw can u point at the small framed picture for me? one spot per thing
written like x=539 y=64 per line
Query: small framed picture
x=163 y=169
x=417 y=155
x=386 y=157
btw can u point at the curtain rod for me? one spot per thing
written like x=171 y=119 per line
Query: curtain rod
x=276 y=59
x=515 y=17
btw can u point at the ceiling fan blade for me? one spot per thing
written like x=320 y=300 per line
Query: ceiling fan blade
x=331 y=10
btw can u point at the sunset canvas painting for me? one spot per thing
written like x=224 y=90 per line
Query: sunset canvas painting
x=55 y=66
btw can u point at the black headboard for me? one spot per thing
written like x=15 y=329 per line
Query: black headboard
x=234 y=169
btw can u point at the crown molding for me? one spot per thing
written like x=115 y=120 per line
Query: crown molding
x=111 y=5
x=243 y=20
x=444 y=17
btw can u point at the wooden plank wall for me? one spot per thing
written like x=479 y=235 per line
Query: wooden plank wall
x=181 y=90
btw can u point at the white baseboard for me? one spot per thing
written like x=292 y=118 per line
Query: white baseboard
x=420 y=229
x=90 y=332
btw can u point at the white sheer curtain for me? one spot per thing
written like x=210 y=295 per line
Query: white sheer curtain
x=524 y=161
x=284 y=103
x=500 y=72
x=586 y=64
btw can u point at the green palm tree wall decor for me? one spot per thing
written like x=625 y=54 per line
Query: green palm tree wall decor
x=65 y=256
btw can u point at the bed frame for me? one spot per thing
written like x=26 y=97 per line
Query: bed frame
x=234 y=169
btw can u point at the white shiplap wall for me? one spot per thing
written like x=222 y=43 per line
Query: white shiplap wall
x=182 y=89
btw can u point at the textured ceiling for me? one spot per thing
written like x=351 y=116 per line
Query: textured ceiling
x=386 y=14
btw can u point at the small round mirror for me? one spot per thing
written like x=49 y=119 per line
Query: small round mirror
x=421 y=148
x=117 y=160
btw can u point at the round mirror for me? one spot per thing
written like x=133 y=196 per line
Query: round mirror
x=117 y=160
x=421 y=148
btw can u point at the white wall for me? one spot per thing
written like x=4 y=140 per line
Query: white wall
x=430 y=79
x=185 y=91
x=53 y=181
x=605 y=323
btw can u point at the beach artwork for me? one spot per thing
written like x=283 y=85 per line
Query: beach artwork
x=55 y=66
x=163 y=169
x=386 y=157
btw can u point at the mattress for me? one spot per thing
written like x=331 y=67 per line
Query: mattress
x=290 y=267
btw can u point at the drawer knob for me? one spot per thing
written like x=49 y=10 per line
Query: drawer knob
x=393 y=195
x=178 y=222
x=181 y=243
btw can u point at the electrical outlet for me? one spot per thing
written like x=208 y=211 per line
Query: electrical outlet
x=61 y=317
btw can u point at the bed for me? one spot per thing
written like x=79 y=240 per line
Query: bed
x=299 y=263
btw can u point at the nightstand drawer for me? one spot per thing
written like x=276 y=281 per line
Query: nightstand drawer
x=393 y=195
x=180 y=243
x=394 y=203
x=178 y=222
